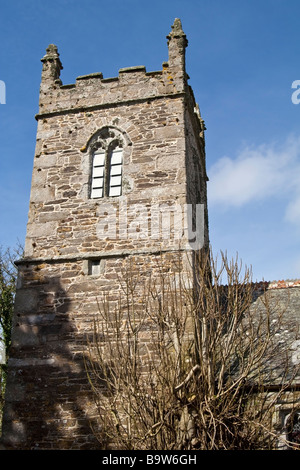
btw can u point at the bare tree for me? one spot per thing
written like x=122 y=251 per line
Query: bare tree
x=184 y=359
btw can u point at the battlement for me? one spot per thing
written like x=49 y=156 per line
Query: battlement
x=132 y=84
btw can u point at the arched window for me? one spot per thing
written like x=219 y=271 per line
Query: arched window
x=106 y=149
x=293 y=429
x=289 y=429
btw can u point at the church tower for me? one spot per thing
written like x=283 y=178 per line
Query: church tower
x=119 y=173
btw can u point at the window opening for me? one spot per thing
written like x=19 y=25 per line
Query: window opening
x=98 y=174
x=293 y=429
x=115 y=172
x=94 y=267
x=107 y=173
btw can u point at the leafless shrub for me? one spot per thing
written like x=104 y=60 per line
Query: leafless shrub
x=185 y=359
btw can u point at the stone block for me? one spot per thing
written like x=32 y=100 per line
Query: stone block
x=26 y=300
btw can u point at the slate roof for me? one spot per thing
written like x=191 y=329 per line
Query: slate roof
x=284 y=299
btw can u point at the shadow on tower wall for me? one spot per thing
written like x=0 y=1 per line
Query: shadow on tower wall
x=48 y=401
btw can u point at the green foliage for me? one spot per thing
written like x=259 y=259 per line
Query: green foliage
x=7 y=290
x=8 y=276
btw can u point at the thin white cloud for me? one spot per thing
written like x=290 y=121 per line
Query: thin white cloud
x=293 y=210
x=257 y=174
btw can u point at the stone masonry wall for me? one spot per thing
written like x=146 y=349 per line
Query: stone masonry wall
x=62 y=218
x=49 y=404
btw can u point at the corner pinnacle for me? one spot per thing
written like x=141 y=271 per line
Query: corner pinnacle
x=52 y=54
x=176 y=29
x=51 y=65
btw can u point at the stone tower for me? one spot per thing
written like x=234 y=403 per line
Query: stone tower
x=118 y=165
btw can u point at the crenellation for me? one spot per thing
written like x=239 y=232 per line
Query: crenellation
x=134 y=69
x=132 y=83
x=90 y=76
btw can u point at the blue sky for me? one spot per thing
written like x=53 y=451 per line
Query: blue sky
x=242 y=58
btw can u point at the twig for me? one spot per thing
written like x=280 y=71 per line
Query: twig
x=195 y=369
